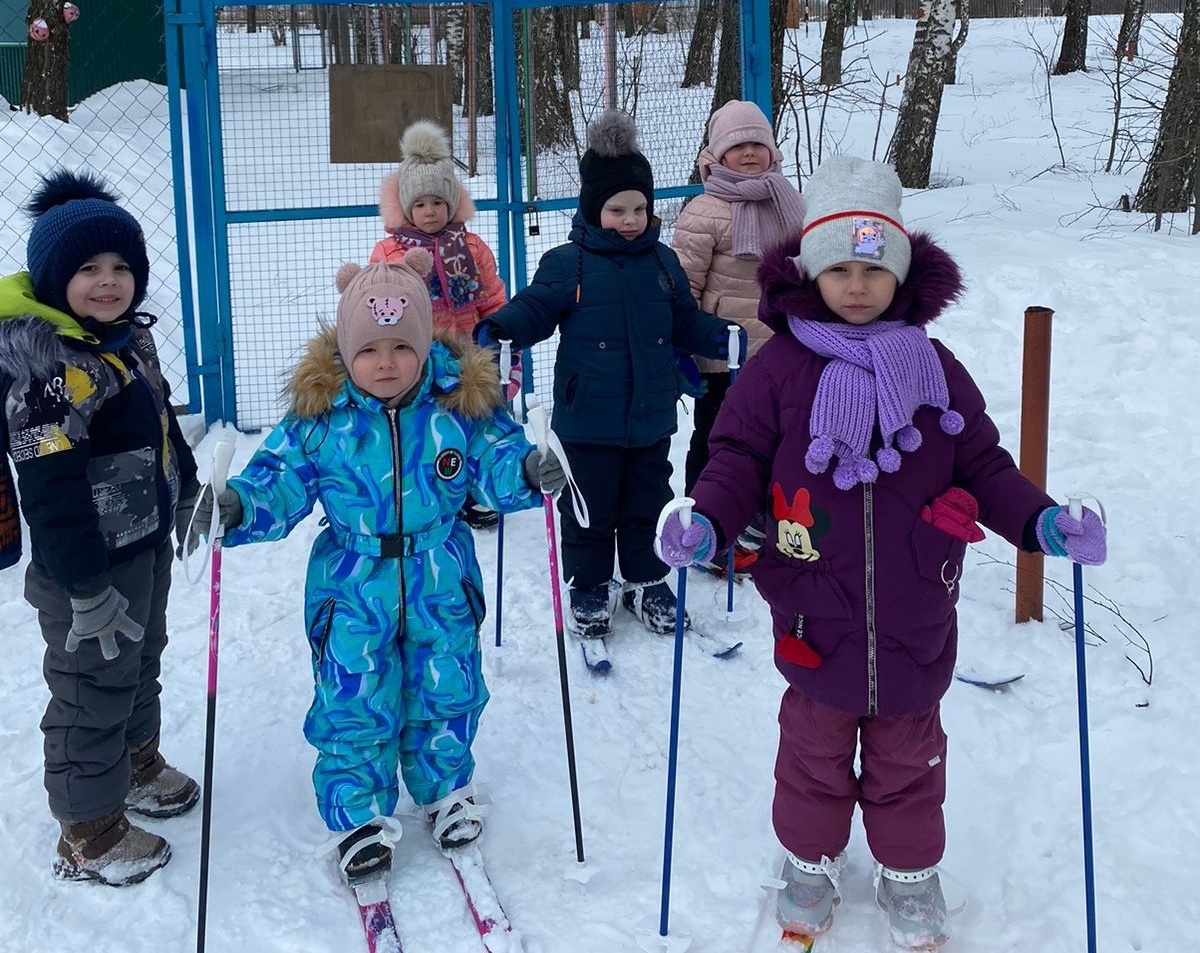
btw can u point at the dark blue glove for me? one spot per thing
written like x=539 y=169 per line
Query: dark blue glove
x=487 y=335
x=723 y=345
x=694 y=385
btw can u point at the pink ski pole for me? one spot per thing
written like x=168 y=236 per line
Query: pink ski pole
x=222 y=454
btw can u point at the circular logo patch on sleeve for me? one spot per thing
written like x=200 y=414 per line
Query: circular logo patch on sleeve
x=448 y=465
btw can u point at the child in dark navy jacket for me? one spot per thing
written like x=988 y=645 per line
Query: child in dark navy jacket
x=621 y=304
x=104 y=475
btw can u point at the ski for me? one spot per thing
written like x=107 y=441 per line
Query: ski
x=973 y=676
x=711 y=644
x=720 y=571
x=495 y=929
x=797 y=942
x=375 y=909
x=595 y=655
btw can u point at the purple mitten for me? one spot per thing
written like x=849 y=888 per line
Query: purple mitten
x=1082 y=540
x=679 y=547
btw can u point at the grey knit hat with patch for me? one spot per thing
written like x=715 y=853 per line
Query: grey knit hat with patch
x=852 y=213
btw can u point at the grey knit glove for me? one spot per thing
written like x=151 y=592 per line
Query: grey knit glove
x=229 y=506
x=102 y=617
x=545 y=472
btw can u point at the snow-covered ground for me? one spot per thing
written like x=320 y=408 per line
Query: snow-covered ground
x=1125 y=358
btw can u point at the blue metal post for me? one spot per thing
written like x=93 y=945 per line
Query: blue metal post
x=175 y=22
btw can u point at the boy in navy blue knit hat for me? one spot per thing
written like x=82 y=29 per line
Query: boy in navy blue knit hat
x=622 y=305
x=104 y=476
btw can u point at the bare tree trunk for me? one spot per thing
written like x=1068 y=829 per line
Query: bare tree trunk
x=962 y=9
x=1073 y=56
x=911 y=148
x=251 y=19
x=778 y=15
x=1170 y=179
x=729 y=68
x=339 y=35
x=44 y=82
x=834 y=42
x=698 y=70
x=553 y=125
x=451 y=19
x=568 y=45
x=485 y=89
x=1131 y=29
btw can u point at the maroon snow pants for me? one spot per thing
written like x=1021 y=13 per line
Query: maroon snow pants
x=900 y=789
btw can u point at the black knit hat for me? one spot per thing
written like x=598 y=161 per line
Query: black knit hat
x=612 y=164
x=76 y=218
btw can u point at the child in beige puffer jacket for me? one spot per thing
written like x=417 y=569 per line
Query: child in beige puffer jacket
x=747 y=206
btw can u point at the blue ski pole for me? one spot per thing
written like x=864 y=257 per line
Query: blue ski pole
x=505 y=374
x=735 y=363
x=661 y=942
x=1075 y=508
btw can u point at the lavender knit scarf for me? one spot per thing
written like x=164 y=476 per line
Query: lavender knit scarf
x=765 y=208
x=878 y=373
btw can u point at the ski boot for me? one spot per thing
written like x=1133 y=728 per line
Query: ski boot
x=915 y=906
x=653 y=603
x=458 y=817
x=810 y=892
x=365 y=853
x=590 y=614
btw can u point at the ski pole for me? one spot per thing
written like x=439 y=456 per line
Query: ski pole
x=1075 y=508
x=505 y=376
x=222 y=454
x=537 y=419
x=685 y=518
x=735 y=363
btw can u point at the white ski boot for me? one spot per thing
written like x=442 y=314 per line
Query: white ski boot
x=805 y=903
x=916 y=909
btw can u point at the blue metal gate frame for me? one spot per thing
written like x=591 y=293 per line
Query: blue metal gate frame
x=202 y=219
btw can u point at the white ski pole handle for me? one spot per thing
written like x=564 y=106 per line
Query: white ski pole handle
x=505 y=363
x=222 y=455
x=735 y=347
x=536 y=414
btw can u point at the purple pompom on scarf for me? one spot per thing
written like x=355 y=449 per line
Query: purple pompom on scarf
x=879 y=374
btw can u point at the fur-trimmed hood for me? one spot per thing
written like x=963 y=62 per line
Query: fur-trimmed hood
x=934 y=282
x=461 y=376
x=392 y=211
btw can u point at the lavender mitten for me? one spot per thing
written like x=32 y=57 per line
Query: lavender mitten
x=1082 y=540
x=679 y=547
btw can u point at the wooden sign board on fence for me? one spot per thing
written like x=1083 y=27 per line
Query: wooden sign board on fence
x=371 y=106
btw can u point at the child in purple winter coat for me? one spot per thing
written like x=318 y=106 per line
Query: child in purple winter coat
x=871 y=450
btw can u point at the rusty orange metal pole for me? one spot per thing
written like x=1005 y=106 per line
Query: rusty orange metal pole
x=1035 y=435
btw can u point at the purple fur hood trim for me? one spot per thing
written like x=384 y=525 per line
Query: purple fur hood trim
x=934 y=282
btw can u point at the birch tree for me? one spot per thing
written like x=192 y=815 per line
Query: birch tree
x=911 y=148
x=1170 y=181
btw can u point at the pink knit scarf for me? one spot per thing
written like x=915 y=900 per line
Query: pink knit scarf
x=765 y=208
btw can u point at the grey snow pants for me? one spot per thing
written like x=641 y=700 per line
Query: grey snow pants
x=99 y=709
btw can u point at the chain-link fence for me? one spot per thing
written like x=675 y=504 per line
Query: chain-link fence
x=118 y=126
x=297 y=185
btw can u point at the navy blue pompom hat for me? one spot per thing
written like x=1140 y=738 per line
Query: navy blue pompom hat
x=76 y=217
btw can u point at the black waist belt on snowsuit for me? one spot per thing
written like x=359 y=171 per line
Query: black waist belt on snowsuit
x=395 y=545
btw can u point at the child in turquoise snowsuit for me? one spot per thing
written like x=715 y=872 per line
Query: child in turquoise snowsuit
x=394 y=689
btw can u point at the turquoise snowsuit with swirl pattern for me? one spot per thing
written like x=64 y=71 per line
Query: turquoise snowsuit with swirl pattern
x=392 y=688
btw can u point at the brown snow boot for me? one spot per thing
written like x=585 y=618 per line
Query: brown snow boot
x=155 y=788
x=109 y=850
